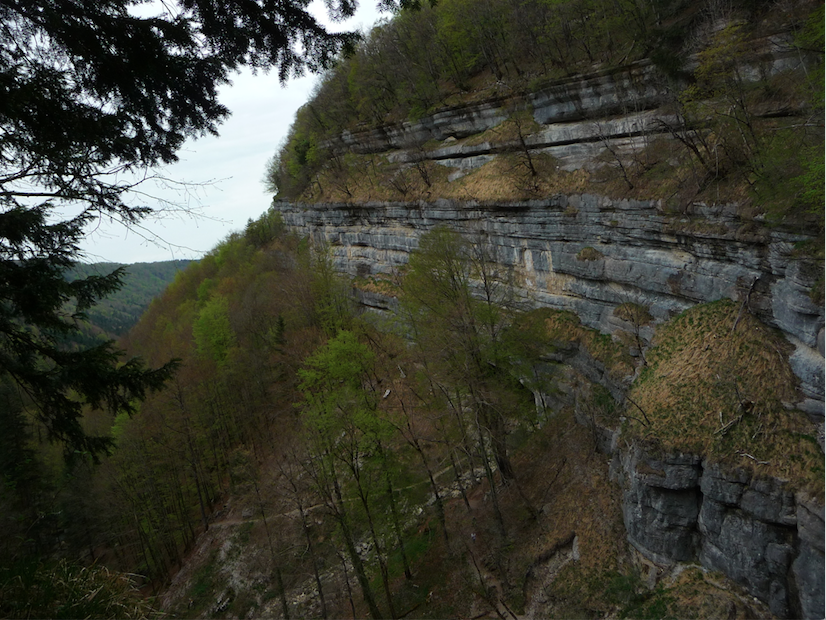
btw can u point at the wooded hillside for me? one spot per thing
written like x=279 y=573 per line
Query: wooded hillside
x=118 y=312
x=312 y=458
x=741 y=131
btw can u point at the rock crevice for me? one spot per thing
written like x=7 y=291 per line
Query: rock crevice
x=680 y=508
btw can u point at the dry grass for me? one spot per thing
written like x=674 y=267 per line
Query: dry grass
x=589 y=254
x=379 y=285
x=718 y=392
x=364 y=178
x=66 y=590
x=563 y=326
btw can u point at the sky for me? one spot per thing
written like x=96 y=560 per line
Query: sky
x=223 y=175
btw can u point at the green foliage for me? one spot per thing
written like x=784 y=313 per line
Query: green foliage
x=212 y=331
x=459 y=51
x=459 y=308
x=811 y=39
x=114 y=315
x=241 y=320
x=301 y=156
x=265 y=229
x=635 y=600
x=95 y=96
x=333 y=378
x=420 y=60
x=728 y=134
x=812 y=179
x=203 y=585
x=42 y=311
x=105 y=89
x=333 y=304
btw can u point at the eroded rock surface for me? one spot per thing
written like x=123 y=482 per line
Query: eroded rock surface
x=589 y=254
x=679 y=508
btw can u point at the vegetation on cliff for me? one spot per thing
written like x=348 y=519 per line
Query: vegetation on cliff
x=306 y=461
x=407 y=471
x=718 y=371
x=732 y=127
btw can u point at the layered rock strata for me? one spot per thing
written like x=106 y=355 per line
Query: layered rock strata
x=589 y=254
x=681 y=508
x=576 y=118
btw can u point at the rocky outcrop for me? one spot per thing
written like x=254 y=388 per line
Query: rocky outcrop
x=589 y=254
x=680 y=508
x=576 y=117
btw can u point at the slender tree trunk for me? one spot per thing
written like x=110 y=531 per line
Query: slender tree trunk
x=347 y=583
x=458 y=477
x=279 y=580
x=305 y=526
x=379 y=555
x=440 y=508
x=398 y=530
x=358 y=567
x=349 y=543
x=500 y=521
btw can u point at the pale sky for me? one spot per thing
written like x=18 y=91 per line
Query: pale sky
x=226 y=171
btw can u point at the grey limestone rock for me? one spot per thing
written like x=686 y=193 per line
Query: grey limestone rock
x=749 y=551
x=723 y=486
x=808 y=571
x=675 y=507
x=661 y=504
x=770 y=501
x=808 y=567
x=643 y=255
x=754 y=530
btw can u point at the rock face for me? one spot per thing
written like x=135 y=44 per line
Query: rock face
x=577 y=116
x=679 y=508
x=589 y=254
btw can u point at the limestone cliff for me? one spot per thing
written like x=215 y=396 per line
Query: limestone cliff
x=680 y=508
x=590 y=254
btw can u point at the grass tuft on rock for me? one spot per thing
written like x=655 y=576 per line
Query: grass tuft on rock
x=719 y=384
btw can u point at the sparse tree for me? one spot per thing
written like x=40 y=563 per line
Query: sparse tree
x=638 y=317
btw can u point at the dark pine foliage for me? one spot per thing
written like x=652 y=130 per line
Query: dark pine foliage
x=90 y=91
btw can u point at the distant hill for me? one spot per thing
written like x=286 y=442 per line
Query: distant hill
x=117 y=313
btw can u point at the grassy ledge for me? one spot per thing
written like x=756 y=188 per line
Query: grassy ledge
x=718 y=384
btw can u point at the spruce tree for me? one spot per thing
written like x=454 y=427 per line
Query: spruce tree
x=90 y=91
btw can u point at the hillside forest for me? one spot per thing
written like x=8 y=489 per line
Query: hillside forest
x=114 y=315
x=740 y=132
x=310 y=458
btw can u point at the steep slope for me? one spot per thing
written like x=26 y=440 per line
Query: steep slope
x=142 y=282
x=622 y=195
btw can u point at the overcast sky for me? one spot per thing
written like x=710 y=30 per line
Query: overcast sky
x=226 y=172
